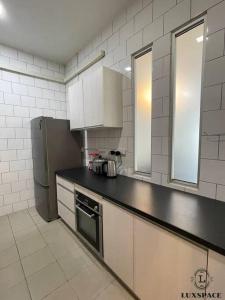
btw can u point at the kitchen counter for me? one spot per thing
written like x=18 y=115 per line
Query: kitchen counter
x=194 y=217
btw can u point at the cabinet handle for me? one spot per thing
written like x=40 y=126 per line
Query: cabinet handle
x=84 y=212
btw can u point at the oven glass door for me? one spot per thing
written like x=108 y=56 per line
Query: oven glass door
x=88 y=225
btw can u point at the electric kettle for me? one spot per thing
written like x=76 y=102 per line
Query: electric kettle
x=109 y=168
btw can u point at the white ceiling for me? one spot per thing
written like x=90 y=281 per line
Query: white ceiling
x=54 y=29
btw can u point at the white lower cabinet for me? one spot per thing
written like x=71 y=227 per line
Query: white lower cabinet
x=164 y=263
x=66 y=215
x=216 y=274
x=118 y=241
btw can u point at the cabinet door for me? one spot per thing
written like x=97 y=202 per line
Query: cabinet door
x=164 y=264
x=216 y=274
x=76 y=105
x=93 y=99
x=67 y=215
x=118 y=241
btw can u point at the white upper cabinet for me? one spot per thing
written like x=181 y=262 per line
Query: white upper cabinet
x=76 y=105
x=96 y=100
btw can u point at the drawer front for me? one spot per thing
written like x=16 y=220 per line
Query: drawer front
x=66 y=197
x=65 y=183
x=66 y=215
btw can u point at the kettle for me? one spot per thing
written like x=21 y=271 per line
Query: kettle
x=109 y=168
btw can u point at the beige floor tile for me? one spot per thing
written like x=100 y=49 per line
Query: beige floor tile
x=8 y=256
x=4 y=224
x=21 y=220
x=31 y=245
x=45 y=281
x=37 y=261
x=32 y=211
x=64 y=292
x=49 y=226
x=38 y=220
x=11 y=275
x=17 y=292
x=90 y=282
x=6 y=240
x=114 y=292
x=73 y=263
x=25 y=234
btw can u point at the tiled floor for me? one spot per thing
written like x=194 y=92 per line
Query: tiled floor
x=40 y=260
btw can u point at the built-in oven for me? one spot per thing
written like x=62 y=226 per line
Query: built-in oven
x=89 y=222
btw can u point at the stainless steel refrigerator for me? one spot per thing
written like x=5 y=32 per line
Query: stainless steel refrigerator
x=54 y=147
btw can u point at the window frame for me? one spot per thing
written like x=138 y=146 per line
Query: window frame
x=135 y=55
x=176 y=33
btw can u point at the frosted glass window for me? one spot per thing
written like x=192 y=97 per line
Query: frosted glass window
x=143 y=105
x=186 y=104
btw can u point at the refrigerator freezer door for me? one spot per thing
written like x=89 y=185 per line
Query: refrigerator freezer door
x=42 y=200
x=39 y=151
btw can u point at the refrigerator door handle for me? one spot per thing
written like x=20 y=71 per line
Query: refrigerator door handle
x=40 y=124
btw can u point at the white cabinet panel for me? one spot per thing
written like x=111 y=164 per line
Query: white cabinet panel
x=164 y=263
x=216 y=271
x=65 y=183
x=76 y=105
x=93 y=99
x=66 y=215
x=118 y=241
x=66 y=197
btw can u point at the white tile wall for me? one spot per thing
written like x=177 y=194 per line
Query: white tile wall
x=22 y=98
x=147 y=21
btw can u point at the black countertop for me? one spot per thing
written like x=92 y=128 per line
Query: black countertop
x=194 y=217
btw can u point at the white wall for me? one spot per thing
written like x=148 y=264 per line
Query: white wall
x=21 y=99
x=152 y=21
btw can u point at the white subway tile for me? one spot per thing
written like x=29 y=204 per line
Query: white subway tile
x=7 y=155
x=25 y=57
x=119 y=21
x=19 y=89
x=162 y=6
x=42 y=103
x=113 y=41
x=33 y=69
x=4 y=166
x=212 y=171
x=199 y=6
x=213 y=122
x=2 y=121
x=21 y=111
x=28 y=101
x=25 y=174
x=153 y=31
x=157 y=108
x=220 y=195
x=7 y=133
x=6 y=110
x=143 y=18
x=222 y=149
x=10 y=76
x=7 y=51
x=177 y=16
x=17 y=165
x=160 y=126
x=209 y=147
x=13 y=122
x=27 y=80
x=34 y=91
x=3 y=144
x=11 y=198
x=215 y=18
x=9 y=177
x=212 y=98
x=5 y=86
x=53 y=66
x=24 y=154
x=35 y=112
x=48 y=94
x=58 y=96
x=215 y=71
x=18 y=186
x=40 y=62
x=20 y=206
x=27 y=194
x=127 y=30
x=161 y=47
x=5 y=188
x=160 y=163
x=134 y=43
x=41 y=83
x=5 y=210
x=215 y=45
x=161 y=88
x=23 y=133
x=17 y=64
x=134 y=8
x=156 y=145
x=12 y=99
x=15 y=144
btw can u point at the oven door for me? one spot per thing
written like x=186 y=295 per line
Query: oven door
x=88 y=224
